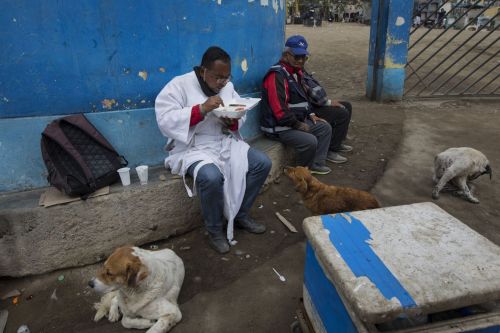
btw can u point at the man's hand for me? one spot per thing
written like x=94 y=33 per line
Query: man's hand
x=212 y=103
x=301 y=126
x=337 y=104
x=315 y=118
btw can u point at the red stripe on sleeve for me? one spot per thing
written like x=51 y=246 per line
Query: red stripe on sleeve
x=275 y=100
x=196 y=116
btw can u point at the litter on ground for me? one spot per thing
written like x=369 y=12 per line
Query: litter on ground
x=286 y=223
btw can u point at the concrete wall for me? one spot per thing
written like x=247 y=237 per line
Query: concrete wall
x=63 y=57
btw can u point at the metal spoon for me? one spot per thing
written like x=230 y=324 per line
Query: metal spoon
x=281 y=277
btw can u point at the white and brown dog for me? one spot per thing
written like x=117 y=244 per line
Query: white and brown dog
x=141 y=285
x=455 y=168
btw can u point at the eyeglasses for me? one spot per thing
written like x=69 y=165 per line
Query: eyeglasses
x=218 y=78
x=302 y=57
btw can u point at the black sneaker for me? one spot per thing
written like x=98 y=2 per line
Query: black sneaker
x=335 y=157
x=344 y=148
x=320 y=170
x=218 y=242
x=250 y=225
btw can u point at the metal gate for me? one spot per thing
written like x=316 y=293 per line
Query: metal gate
x=454 y=49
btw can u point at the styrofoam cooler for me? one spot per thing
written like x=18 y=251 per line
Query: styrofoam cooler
x=412 y=268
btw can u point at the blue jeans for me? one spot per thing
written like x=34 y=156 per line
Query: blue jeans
x=210 y=186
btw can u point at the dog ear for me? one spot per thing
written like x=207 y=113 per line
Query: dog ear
x=136 y=272
x=131 y=275
x=301 y=186
x=488 y=170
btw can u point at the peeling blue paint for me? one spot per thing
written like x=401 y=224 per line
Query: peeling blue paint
x=325 y=297
x=388 y=50
x=55 y=62
x=350 y=238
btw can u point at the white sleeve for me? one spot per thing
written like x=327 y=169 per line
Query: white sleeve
x=172 y=113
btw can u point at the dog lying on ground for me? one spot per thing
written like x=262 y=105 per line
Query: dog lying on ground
x=143 y=286
x=320 y=198
x=455 y=168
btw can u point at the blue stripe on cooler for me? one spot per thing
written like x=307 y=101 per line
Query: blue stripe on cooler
x=350 y=240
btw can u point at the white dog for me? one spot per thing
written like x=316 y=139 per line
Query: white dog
x=143 y=285
x=458 y=166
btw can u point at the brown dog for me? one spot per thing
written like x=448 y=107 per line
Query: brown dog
x=320 y=198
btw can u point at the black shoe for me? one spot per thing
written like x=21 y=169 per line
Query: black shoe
x=218 y=242
x=320 y=170
x=250 y=225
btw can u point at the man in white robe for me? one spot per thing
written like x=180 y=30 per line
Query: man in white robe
x=227 y=173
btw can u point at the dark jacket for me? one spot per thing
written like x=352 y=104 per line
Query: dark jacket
x=284 y=99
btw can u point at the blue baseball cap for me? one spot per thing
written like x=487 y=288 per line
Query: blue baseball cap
x=297 y=44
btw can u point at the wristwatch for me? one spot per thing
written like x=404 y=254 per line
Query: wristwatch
x=312 y=114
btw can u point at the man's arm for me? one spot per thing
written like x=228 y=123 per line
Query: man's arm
x=277 y=94
x=198 y=112
x=196 y=115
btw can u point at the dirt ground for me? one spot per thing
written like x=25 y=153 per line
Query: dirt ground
x=239 y=292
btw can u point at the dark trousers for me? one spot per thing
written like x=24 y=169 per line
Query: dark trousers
x=310 y=147
x=339 y=118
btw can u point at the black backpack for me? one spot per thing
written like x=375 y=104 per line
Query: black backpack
x=317 y=95
x=78 y=158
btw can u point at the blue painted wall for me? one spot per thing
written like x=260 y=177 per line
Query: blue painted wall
x=388 y=50
x=62 y=57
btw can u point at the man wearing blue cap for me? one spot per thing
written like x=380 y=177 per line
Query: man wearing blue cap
x=297 y=112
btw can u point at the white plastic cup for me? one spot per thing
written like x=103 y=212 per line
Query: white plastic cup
x=124 y=176
x=142 y=172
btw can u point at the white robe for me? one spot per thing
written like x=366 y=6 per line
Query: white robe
x=205 y=141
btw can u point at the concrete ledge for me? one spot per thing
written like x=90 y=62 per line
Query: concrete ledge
x=35 y=240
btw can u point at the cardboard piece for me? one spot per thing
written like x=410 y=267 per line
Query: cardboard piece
x=53 y=196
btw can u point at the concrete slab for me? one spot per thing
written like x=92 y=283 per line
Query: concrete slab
x=411 y=259
x=36 y=240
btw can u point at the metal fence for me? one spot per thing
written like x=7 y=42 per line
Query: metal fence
x=453 y=51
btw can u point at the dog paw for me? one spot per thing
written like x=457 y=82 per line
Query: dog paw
x=99 y=315
x=114 y=315
x=435 y=194
x=473 y=200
